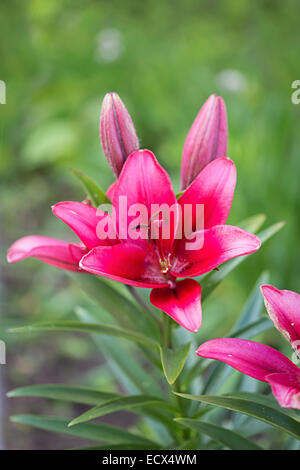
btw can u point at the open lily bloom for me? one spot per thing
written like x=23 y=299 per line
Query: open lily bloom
x=263 y=362
x=152 y=250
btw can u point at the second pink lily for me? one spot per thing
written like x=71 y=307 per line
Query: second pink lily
x=263 y=362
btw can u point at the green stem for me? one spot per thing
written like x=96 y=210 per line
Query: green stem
x=168 y=343
x=166 y=331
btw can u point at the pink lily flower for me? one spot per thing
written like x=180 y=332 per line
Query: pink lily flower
x=155 y=261
x=263 y=362
x=206 y=140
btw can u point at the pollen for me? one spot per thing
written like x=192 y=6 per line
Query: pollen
x=165 y=264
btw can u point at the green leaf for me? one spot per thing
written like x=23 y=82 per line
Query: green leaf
x=253 y=329
x=117 y=404
x=123 y=446
x=252 y=224
x=94 y=192
x=112 y=298
x=250 y=426
x=94 y=431
x=227 y=437
x=257 y=406
x=110 y=330
x=213 y=279
x=125 y=366
x=84 y=395
x=292 y=444
x=253 y=308
x=173 y=361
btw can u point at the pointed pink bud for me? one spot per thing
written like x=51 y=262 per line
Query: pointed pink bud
x=206 y=140
x=117 y=132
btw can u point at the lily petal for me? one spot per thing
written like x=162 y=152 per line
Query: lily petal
x=58 y=253
x=251 y=358
x=286 y=389
x=283 y=307
x=123 y=262
x=83 y=219
x=146 y=186
x=219 y=244
x=213 y=188
x=183 y=303
x=111 y=190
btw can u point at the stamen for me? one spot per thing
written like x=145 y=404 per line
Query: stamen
x=165 y=264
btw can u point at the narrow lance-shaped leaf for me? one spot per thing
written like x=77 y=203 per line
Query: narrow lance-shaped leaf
x=84 y=395
x=112 y=298
x=125 y=366
x=110 y=330
x=253 y=307
x=94 y=192
x=121 y=403
x=253 y=329
x=93 y=431
x=173 y=361
x=227 y=437
x=122 y=446
x=253 y=224
x=254 y=407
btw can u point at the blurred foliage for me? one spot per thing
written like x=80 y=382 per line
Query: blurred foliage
x=59 y=58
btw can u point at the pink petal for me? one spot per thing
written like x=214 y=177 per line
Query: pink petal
x=123 y=262
x=220 y=243
x=49 y=250
x=283 y=307
x=83 y=219
x=183 y=303
x=206 y=140
x=144 y=182
x=111 y=190
x=286 y=389
x=251 y=358
x=213 y=188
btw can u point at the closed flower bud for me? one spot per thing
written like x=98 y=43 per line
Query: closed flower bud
x=117 y=132
x=206 y=140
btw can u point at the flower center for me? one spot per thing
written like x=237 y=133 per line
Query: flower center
x=165 y=264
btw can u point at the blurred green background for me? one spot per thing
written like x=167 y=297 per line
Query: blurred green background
x=58 y=59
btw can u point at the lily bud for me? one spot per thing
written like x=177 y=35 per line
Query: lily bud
x=206 y=140
x=117 y=132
